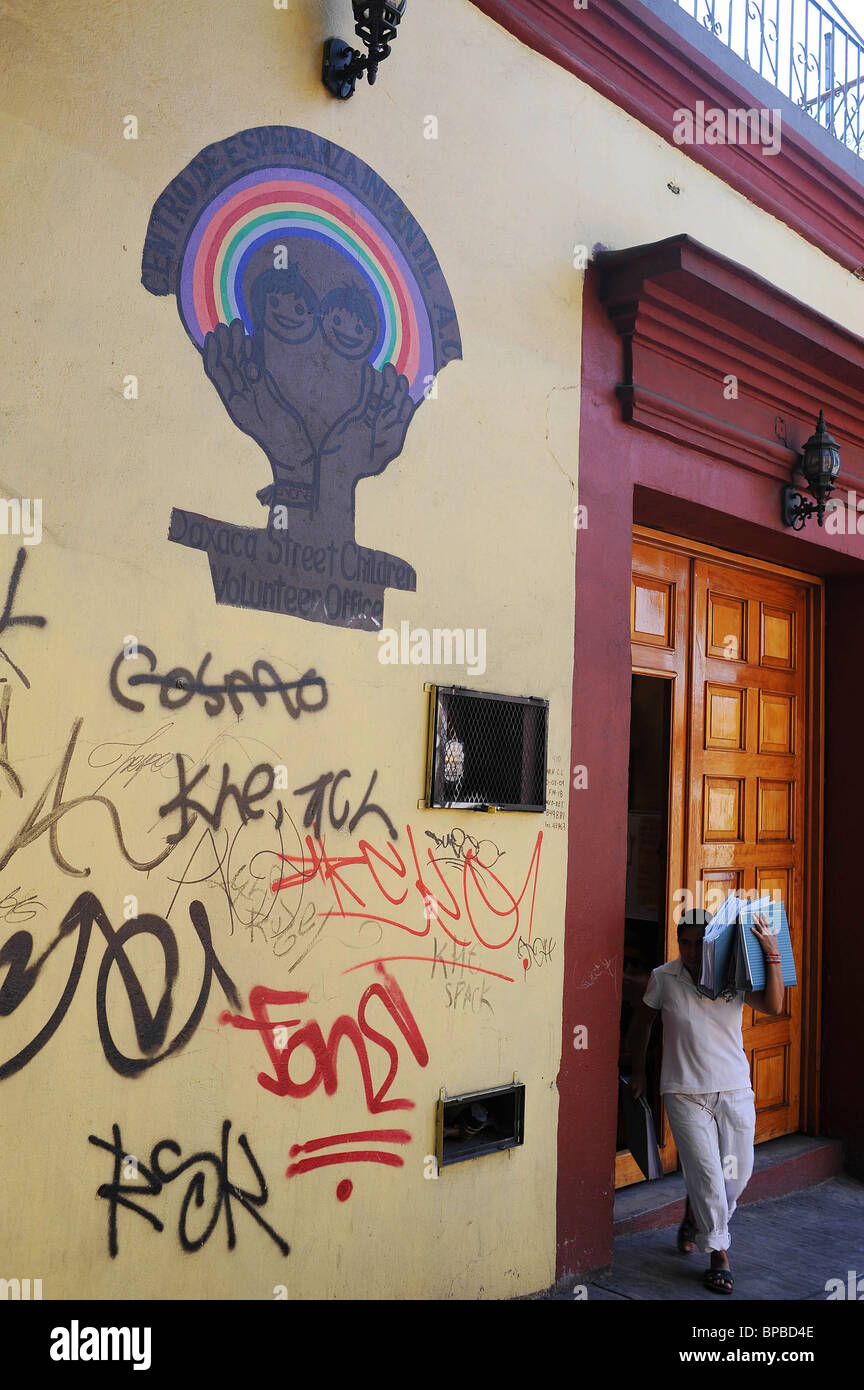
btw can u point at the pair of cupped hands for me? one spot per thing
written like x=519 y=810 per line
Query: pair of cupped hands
x=371 y=433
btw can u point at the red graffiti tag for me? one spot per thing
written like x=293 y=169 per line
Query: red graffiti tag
x=358 y=1031
x=370 y=884
x=374 y=1136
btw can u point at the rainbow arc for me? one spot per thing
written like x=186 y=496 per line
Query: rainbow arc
x=278 y=204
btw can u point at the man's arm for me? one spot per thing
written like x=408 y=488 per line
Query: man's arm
x=637 y=1042
x=770 y=999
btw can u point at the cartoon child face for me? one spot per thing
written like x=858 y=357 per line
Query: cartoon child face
x=347 y=334
x=349 y=323
x=288 y=316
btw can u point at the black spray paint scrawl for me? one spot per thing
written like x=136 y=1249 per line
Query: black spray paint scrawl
x=323 y=318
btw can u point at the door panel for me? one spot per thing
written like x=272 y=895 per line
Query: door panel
x=747 y=743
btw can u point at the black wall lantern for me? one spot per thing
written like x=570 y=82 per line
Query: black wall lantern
x=820 y=464
x=375 y=22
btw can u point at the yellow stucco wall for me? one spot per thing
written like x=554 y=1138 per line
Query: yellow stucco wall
x=527 y=163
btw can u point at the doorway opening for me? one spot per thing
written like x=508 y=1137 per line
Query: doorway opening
x=646 y=907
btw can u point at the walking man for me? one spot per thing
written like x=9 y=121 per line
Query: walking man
x=705 y=1083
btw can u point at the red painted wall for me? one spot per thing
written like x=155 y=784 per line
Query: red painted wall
x=843 y=921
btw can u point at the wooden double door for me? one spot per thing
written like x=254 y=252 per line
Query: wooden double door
x=739 y=642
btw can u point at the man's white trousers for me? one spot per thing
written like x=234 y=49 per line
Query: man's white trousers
x=714 y=1136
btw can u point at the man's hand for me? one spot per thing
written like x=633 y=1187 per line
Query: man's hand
x=770 y=999
x=636 y=1043
x=765 y=935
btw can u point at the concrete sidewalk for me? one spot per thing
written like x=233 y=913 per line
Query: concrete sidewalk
x=785 y=1249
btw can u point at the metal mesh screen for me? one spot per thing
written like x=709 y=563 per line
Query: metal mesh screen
x=489 y=750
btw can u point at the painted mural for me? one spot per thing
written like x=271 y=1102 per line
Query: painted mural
x=322 y=318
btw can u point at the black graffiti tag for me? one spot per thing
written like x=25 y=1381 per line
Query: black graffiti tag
x=151 y=1028
x=243 y=798
x=157 y=1175
x=319 y=801
x=178 y=686
x=458 y=844
x=35 y=824
x=6 y=619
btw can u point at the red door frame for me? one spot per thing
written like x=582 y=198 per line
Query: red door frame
x=627 y=475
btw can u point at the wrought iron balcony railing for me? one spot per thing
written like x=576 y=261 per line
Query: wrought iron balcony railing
x=809 y=51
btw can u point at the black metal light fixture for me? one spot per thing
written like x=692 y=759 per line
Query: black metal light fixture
x=820 y=464
x=375 y=22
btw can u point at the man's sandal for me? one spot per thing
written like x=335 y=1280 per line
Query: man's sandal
x=719 y=1280
x=686 y=1236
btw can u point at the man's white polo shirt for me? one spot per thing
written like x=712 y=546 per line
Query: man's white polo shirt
x=702 y=1047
